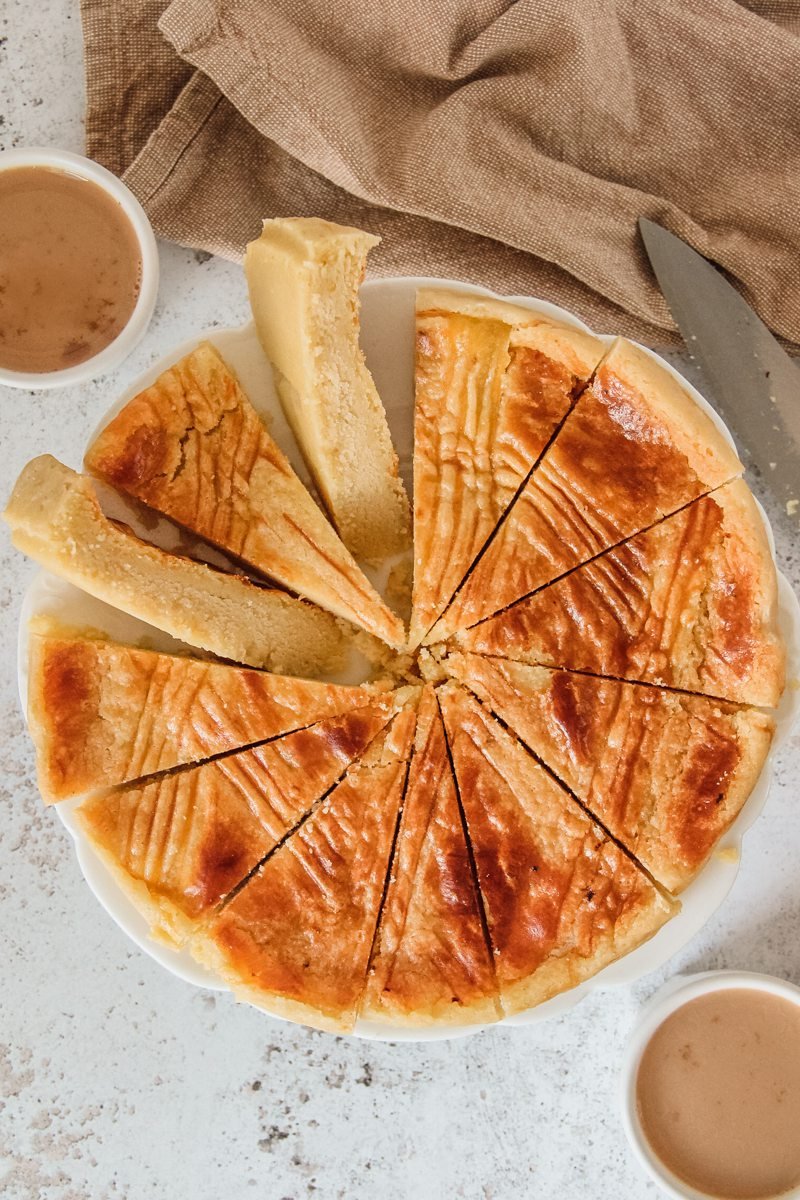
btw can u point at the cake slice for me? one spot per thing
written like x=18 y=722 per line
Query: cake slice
x=182 y=842
x=665 y=772
x=562 y=900
x=55 y=518
x=192 y=447
x=493 y=382
x=432 y=963
x=690 y=604
x=635 y=448
x=303 y=275
x=297 y=938
x=101 y=713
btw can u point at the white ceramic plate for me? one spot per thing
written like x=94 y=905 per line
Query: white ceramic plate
x=388 y=340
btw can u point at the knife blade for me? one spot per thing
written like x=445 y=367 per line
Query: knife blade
x=754 y=384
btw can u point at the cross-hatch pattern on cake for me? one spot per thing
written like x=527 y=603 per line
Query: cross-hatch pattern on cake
x=529 y=776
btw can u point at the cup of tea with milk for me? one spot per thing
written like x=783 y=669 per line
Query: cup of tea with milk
x=78 y=269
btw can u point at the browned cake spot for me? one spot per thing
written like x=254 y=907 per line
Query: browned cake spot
x=70 y=682
x=736 y=610
x=712 y=760
x=570 y=716
x=617 y=442
x=346 y=737
x=537 y=392
x=70 y=690
x=142 y=457
x=223 y=862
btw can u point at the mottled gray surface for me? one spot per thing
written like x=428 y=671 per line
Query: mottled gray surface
x=118 y=1080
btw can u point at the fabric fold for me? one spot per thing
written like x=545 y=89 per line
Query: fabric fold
x=509 y=145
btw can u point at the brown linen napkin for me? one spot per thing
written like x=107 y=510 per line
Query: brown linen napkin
x=510 y=145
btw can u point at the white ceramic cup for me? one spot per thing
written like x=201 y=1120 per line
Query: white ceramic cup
x=677 y=992
x=112 y=354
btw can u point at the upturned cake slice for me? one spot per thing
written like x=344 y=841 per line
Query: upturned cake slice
x=303 y=275
x=634 y=449
x=192 y=447
x=432 y=962
x=101 y=713
x=665 y=772
x=562 y=900
x=55 y=517
x=690 y=604
x=493 y=382
x=298 y=937
x=179 y=844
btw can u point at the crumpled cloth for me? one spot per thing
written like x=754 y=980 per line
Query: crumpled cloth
x=510 y=144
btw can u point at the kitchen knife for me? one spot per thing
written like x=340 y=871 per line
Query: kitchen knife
x=754 y=384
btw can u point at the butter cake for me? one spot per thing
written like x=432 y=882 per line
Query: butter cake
x=192 y=447
x=101 y=713
x=571 y=731
x=635 y=448
x=297 y=938
x=691 y=604
x=179 y=844
x=303 y=275
x=493 y=382
x=665 y=772
x=562 y=900
x=55 y=517
x=431 y=963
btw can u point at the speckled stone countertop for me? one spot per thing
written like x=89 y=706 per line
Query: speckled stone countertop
x=118 y=1080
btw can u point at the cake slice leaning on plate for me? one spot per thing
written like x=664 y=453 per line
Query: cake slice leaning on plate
x=297 y=938
x=493 y=383
x=665 y=772
x=562 y=900
x=192 y=447
x=690 y=604
x=182 y=842
x=101 y=713
x=432 y=963
x=303 y=275
x=56 y=518
x=634 y=449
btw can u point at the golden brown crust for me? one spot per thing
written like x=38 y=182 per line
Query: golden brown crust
x=297 y=938
x=101 y=713
x=184 y=841
x=691 y=603
x=460 y=363
x=493 y=381
x=666 y=773
x=431 y=963
x=621 y=462
x=192 y=447
x=561 y=899
x=632 y=376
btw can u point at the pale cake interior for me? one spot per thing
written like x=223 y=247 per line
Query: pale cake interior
x=304 y=277
x=56 y=519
